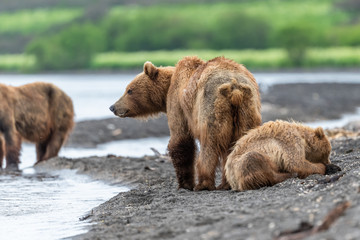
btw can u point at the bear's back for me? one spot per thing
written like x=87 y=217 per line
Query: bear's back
x=285 y=134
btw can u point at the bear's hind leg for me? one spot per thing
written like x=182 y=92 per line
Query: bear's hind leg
x=206 y=166
x=182 y=153
x=40 y=151
x=224 y=185
x=52 y=146
x=254 y=170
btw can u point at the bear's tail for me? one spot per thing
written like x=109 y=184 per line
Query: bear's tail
x=235 y=92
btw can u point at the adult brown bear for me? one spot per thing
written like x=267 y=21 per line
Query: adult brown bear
x=38 y=112
x=215 y=102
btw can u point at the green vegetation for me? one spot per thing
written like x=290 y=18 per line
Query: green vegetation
x=270 y=58
x=253 y=59
x=35 y=21
x=72 y=48
x=16 y=62
x=262 y=34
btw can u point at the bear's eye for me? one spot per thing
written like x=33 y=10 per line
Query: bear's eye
x=129 y=92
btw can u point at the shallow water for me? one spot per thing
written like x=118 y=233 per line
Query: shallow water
x=48 y=205
x=38 y=205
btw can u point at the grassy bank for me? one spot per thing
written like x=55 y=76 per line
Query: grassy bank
x=269 y=59
x=16 y=63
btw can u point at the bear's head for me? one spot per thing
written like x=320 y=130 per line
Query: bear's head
x=146 y=94
x=318 y=146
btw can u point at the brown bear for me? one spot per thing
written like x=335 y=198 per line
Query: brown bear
x=275 y=151
x=38 y=112
x=215 y=102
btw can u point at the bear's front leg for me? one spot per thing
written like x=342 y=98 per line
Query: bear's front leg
x=206 y=166
x=304 y=168
x=182 y=153
x=12 y=146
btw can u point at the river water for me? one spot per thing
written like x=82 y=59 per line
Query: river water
x=36 y=205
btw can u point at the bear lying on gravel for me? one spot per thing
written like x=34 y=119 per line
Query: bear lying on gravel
x=276 y=151
x=38 y=112
x=215 y=102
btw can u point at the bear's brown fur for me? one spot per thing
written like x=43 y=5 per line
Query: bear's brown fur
x=215 y=102
x=276 y=151
x=38 y=112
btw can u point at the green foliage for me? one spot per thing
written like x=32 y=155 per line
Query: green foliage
x=253 y=59
x=72 y=48
x=295 y=39
x=238 y=31
x=346 y=35
x=183 y=28
x=290 y=28
x=260 y=59
x=16 y=62
x=35 y=21
x=338 y=57
x=333 y=57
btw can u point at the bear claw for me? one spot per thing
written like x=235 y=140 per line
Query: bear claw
x=201 y=187
x=222 y=186
x=331 y=169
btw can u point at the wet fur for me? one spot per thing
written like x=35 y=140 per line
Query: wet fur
x=37 y=112
x=276 y=151
x=215 y=102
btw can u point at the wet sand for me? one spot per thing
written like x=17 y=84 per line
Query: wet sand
x=156 y=209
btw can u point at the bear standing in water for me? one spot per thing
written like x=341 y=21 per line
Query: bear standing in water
x=215 y=102
x=38 y=112
x=276 y=151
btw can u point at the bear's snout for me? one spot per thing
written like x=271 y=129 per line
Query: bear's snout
x=112 y=108
x=119 y=111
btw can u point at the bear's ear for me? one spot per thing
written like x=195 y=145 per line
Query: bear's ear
x=151 y=70
x=319 y=132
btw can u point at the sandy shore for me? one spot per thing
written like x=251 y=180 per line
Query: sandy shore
x=155 y=209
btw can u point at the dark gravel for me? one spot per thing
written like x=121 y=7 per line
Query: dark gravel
x=155 y=209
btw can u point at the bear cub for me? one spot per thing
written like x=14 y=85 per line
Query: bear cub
x=275 y=151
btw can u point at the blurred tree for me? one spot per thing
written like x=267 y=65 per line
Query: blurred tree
x=151 y=32
x=236 y=30
x=158 y=30
x=346 y=35
x=72 y=48
x=295 y=38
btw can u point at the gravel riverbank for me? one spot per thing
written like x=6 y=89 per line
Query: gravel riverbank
x=155 y=209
